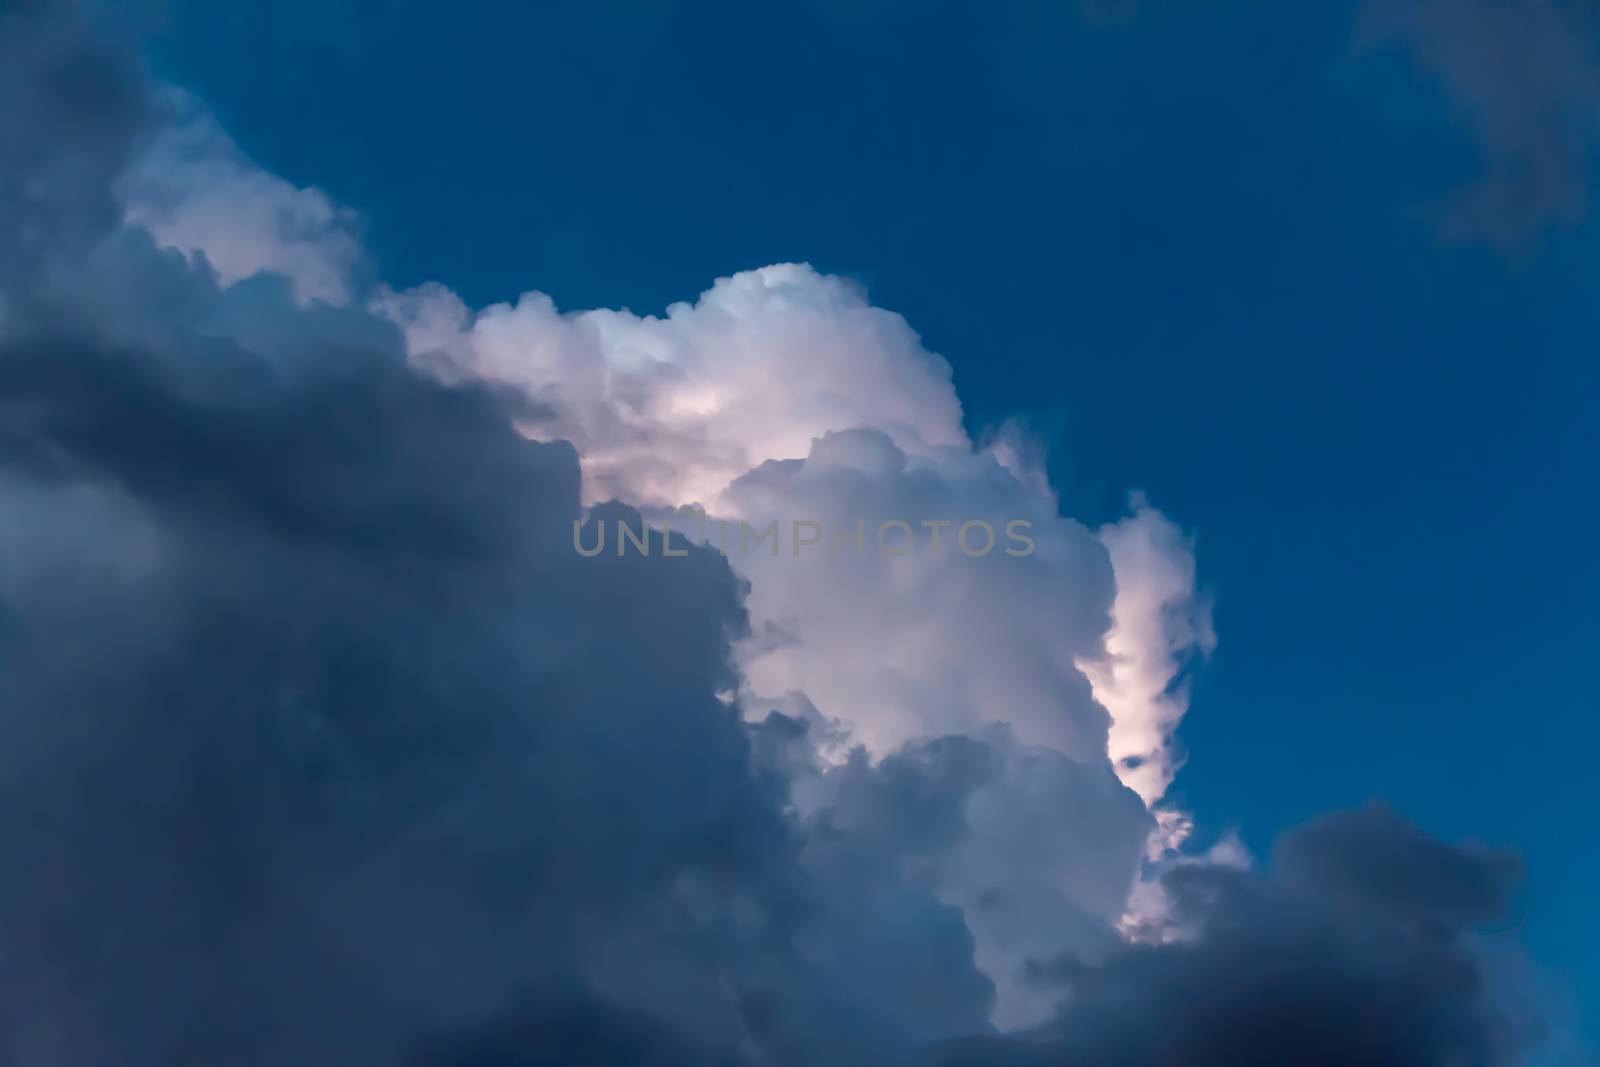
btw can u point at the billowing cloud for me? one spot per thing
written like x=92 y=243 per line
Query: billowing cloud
x=782 y=364
x=1356 y=947
x=192 y=189
x=904 y=584
x=782 y=396
x=670 y=410
x=315 y=733
x=320 y=742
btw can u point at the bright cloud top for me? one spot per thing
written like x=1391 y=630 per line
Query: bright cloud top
x=780 y=394
x=765 y=365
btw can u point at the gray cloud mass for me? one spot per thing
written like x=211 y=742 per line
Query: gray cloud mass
x=319 y=746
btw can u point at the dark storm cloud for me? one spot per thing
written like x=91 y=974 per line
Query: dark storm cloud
x=315 y=735
x=73 y=107
x=348 y=738
x=1356 y=948
x=1526 y=74
x=320 y=747
x=553 y=1028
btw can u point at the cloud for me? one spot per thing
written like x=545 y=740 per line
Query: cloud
x=72 y=109
x=1030 y=849
x=335 y=745
x=1528 y=76
x=772 y=365
x=670 y=410
x=933 y=640
x=555 y=1027
x=1357 y=947
x=1159 y=620
x=315 y=733
x=783 y=396
x=192 y=189
x=319 y=743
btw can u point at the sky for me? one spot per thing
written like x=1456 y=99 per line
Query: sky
x=1307 y=279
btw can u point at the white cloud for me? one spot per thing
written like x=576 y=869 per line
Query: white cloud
x=195 y=191
x=1158 y=622
x=932 y=641
x=670 y=410
x=783 y=394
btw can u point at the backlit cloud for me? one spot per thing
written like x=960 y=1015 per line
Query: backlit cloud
x=320 y=744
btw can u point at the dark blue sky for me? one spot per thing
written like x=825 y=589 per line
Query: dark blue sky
x=1227 y=256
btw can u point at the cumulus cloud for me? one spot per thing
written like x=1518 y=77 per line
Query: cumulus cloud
x=320 y=744
x=1357 y=946
x=192 y=189
x=770 y=365
x=782 y=401
x=1029 y=847
x=930 y=640
x=783 y=396
x=670 y=410
x=1159 y=620
x=312 y=736
x=316 y=735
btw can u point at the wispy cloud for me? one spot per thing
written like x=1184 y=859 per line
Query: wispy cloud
x=1526 y=76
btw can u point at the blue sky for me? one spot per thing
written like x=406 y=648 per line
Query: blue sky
x=1208 y=254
